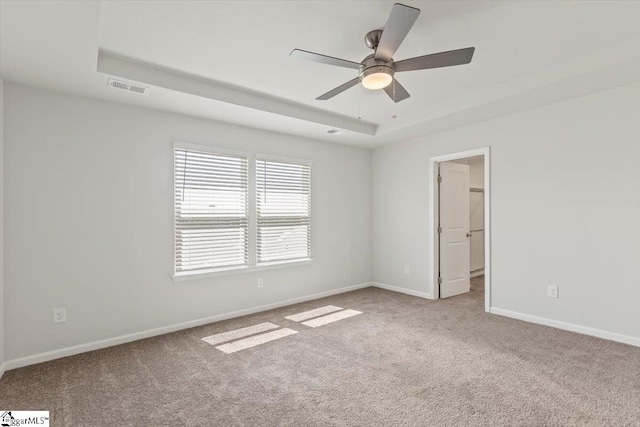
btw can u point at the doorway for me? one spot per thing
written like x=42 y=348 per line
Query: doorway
x=460 y=225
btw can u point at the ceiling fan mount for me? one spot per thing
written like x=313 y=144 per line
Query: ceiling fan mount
x=377 y=71
x=373 y=38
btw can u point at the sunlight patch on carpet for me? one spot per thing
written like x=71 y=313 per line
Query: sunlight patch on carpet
x=239 y=333
x=305 y=315
x=255 y=340
x=330 y=318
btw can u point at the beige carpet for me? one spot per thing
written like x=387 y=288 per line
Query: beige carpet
x=404 y=361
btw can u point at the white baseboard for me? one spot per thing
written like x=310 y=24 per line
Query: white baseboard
x=402 y=290
x=2 y=369
x=477 y=273
x=626 y=339
x=96 y=345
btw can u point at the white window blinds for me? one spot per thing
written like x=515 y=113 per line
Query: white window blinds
x=211 y=224
x=283 y=205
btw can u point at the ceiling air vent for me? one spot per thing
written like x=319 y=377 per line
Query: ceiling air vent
x=119 y=84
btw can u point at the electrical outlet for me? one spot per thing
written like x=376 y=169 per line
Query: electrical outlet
x=407 y=269
x=260 y=282
x=552 y=291
x=59 y=315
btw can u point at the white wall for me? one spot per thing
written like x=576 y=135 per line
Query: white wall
x=476 y=207
x=88 y=216
x=565 y=182
x=476 y=172
x=1 y=225
x=89 y=221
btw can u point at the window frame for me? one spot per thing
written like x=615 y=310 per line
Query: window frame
x=252 y=216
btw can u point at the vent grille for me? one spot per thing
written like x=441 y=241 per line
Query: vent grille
x=119 y=84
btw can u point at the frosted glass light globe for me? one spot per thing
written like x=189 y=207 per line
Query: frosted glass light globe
x=377 y=80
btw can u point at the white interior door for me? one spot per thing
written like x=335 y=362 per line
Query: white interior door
x=455 y=255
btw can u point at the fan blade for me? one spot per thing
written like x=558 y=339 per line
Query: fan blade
x=324 y=59
x=396 y=91
x=395 y=30
x=339 y=89
x=436 y=60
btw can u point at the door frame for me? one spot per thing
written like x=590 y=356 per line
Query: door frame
x=434 y=216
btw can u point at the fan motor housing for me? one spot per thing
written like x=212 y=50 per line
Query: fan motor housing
x=371 y=65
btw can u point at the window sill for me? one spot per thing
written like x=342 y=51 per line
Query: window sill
x=204 y=274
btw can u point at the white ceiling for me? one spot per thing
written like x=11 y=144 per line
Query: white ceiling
x=527 y=54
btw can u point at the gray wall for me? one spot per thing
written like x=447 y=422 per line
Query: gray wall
x=565 y=209
x=89 y=221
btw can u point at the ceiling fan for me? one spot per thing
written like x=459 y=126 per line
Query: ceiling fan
x=377 y=70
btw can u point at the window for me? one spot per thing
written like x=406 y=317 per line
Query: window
x=211 y=207
x=235 y=212
x=283 y=206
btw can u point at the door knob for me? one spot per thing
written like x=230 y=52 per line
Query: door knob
x=468 y=234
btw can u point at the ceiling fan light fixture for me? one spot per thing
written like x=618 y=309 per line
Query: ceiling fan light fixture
x=377 y=78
